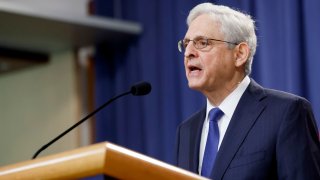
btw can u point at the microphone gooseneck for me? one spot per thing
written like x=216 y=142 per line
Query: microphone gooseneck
x=138 y=89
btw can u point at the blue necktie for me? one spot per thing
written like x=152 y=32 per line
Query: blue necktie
x=212 y=142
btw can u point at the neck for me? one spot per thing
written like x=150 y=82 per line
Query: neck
x=217 y=96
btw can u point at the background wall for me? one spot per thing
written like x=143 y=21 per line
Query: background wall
x=38 y=103
x=70 y=7
x=35 y=105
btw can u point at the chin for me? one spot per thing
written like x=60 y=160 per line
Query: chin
x=194 y=86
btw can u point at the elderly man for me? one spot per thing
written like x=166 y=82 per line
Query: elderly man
x=245 y=131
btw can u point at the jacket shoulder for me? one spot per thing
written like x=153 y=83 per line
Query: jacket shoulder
x=199 y=115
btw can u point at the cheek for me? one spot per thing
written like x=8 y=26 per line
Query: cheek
x=216 y=67
x=185 y=64
x=211 y=64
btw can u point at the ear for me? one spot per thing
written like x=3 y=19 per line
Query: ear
x=241 y=54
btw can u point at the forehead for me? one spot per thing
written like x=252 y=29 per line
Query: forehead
x=204 y=25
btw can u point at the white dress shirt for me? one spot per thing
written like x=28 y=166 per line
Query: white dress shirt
x=228 y=107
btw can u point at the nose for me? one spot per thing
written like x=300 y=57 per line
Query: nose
x=190 y=50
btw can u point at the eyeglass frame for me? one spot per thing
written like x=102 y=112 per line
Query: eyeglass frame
x=181 y=47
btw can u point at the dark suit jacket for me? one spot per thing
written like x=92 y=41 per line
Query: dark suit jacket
x=272 y=135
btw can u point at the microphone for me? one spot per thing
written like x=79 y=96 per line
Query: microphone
x=138 y=89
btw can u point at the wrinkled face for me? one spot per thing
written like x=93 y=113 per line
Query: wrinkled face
x=211 y=68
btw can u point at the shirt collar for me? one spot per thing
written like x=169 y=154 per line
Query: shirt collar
x=229 y=104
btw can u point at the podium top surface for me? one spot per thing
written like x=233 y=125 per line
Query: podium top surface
x=103 y=158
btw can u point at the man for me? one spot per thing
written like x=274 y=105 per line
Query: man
x=256 y=133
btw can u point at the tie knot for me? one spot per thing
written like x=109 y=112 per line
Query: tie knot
x=215 y=114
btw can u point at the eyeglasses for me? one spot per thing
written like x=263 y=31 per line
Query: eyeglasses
x=198 y=43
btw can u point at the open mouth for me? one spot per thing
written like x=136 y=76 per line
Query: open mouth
x=194 y=68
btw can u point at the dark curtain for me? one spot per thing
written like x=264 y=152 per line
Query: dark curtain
x=288 y=59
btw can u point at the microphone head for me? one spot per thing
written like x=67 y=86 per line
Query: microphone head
x=140 y=88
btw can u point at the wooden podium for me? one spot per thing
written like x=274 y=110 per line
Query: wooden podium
x=103 y=158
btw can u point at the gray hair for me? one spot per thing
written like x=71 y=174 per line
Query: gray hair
x=235 y=26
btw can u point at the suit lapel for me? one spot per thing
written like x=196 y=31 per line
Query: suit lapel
x=248 y=110
x=195 y=141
